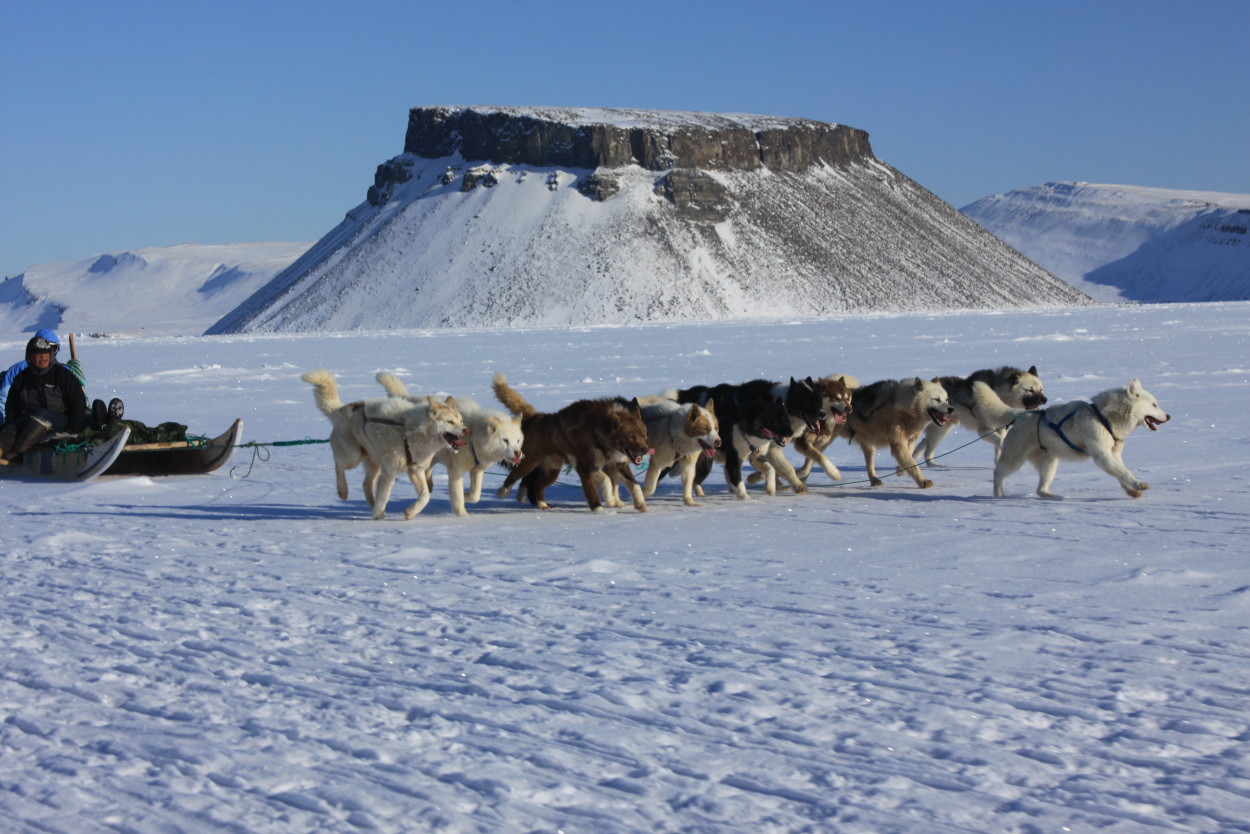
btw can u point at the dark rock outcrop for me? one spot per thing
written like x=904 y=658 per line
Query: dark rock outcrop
x=572 y=138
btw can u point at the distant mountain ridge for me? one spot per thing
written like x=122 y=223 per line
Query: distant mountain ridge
x=1129 y=243
x=161 y=290
x=498 y=216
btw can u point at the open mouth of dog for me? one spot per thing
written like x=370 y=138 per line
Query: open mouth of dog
x=455 y=441
x=515 y=460
x=941 y=418
x=1034 y=403
x=708 y=449
x=1153 y=423
x=639 y=455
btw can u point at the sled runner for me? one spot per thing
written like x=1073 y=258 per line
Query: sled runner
x=179 y=457
x=80 y=464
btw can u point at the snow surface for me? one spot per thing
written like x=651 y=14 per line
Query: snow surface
x=242 y=652
x=1129 y=243
x=155 y=291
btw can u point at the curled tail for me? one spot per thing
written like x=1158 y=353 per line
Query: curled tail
x=511 y=400
x=990 y=408
x=393 y=384
x=325 y=390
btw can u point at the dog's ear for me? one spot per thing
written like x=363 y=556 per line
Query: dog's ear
x=811 y=383
x=711 y=407
x=634 y=404
x=493 y=424
x=451 y=402
x=1033 y=370
x=1134 y=386
x=918 y=384
x=1015 y=378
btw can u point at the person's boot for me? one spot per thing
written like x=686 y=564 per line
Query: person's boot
x=7 y=438
x=99 y=415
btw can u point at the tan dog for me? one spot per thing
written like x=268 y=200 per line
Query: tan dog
x=1072 y=431
x=894 y=413
x=678 y=435
x=494 y=437
x=587 y=434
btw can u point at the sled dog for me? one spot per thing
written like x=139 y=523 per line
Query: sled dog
x=1016 y=388
x=835 y=395
x=1073 y=431
x=754 y=420
x=805 y=405
x=586 y=434
x=894 y=413
x=494 y=437
x=390 y=436
x=346 y=433
x=679 y=435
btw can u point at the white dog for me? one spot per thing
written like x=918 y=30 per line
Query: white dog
x=403 y=436
x=1072 y=431
x=493 y=437
x=347 y=432
x=390 y=436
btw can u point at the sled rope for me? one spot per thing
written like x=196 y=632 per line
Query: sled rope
x=918 y=464
x=262 y=454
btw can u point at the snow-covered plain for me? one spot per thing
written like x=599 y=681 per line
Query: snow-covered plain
x=242 y=652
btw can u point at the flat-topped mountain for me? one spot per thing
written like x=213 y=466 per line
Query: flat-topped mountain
x=545 y=216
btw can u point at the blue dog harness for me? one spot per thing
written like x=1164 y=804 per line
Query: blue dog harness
x=1057 y=428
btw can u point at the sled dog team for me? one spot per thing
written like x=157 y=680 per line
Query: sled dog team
x=685 y=431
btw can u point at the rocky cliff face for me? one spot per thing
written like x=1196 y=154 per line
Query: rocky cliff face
x=524 y=216
x=572 y=138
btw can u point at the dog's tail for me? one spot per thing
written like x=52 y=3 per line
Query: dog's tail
x=990 y=407
x=511 y=400
x=325 y=390
x=393 y=384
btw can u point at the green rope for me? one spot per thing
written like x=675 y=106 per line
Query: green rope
x=259 y=453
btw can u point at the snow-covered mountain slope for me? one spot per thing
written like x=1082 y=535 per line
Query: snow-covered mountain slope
x=1128 y=243
x=454 y=241
x=168 y=291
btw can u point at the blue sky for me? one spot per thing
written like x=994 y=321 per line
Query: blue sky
x=130 y=124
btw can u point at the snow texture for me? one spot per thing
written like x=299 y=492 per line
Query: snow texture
x=242 y=652
x=1129 y=243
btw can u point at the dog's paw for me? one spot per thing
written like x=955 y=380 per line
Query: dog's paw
x=1136 y=488
x=924 y=483
x=502 y=492
x=876 y=482
x=690 y=502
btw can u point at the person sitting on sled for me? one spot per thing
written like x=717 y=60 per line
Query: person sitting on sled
x=100 y=413
x=45 y=397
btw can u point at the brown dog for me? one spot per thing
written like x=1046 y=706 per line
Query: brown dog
x=590 y=435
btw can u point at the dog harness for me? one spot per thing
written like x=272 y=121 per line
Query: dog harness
x=1057 y=428
x=385 y=422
